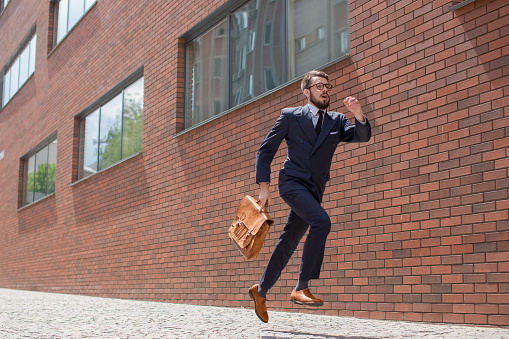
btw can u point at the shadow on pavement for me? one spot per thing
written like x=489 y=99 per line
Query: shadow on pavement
x=272 y=334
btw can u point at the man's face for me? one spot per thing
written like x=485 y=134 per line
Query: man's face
x=319 y=98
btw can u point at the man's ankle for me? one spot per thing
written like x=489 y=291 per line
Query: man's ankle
x=262 y=292
x=302 y=284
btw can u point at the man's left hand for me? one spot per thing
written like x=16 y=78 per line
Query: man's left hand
x=354 y=106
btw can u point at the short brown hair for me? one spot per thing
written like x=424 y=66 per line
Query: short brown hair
x=307 y=78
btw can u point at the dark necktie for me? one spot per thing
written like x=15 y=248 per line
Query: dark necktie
x=318 y=127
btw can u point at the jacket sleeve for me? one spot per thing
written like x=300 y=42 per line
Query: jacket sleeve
x=269 y=147
x=357 y=132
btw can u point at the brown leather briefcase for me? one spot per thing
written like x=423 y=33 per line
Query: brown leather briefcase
x=249 y=228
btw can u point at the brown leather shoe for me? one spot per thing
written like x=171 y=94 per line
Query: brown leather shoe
x=260 y=307
x=304 y=297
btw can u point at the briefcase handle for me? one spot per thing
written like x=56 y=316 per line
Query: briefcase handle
x=266 y=205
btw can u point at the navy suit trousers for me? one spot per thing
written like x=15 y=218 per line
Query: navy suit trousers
x=306 y=211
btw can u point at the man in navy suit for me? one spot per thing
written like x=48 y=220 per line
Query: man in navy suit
x=312 y=135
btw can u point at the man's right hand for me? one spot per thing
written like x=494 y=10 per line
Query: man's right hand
x=264 y=196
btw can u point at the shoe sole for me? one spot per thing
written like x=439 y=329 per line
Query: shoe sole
x=313 y=304
x=252 y=297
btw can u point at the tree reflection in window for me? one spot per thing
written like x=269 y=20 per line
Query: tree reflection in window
x=113 y=132
x=40 y=174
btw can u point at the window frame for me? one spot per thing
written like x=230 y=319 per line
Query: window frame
x=3 y=5
x=458 y=4
x=27 y=41
x=225 y=12
x=103 y=100
x=300 y=44
x=25 y=161
x=55 y=6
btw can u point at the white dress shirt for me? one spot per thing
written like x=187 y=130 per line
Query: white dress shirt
x=314 y=115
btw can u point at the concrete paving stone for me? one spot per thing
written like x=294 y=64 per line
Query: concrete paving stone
x=28 y=314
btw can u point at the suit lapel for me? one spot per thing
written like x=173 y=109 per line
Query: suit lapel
x=306 y=123
x=328 y=123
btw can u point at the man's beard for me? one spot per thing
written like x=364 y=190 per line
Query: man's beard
x=318 y=102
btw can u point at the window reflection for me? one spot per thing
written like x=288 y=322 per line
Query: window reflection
x=52 y=166
x=133 y=119
x=206 y=57
x=270 y=42
x=29 y=192
x=109 y=132
x=319 y=25
x=76 y=9
x=112 y=132
x=41 y=173
x=63 y=7
x=23 y=63
x=257 y=63
x=90 y=144
x=7 y=88
x=19 y=72
x=69 y=13
x=15 y=77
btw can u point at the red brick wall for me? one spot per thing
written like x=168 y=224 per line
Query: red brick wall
x=420 y=212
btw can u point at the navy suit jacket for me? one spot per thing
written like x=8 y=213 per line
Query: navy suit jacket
x=309 y=156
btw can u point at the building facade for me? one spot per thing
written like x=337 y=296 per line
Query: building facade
x=129 y=130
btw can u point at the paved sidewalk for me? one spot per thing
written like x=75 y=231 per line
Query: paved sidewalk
x=25 y=314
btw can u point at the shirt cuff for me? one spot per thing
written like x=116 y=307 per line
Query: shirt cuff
x=362 y=122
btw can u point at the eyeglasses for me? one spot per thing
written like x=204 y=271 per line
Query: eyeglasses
x=320 y=86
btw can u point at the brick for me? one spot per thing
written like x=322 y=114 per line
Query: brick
x=476 y=319
x=453 y=318
x=498 y=319
x=463 y=288
x=474 y=278
x=464 y=308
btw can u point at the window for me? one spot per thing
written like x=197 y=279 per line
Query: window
x=67 y=13
x=321 y=23
x=3 y=4
x=218 y=67
x=209 y=51
x=320 y=33
x=252 y=39
x=113 y=130
x=342 y=41
x=250 y=86
x=269 y=80
x=262 y=45
x=19 y=70
x=40 y=172
x=240 y=61
x=268 y=34
x=458 y=4
x=300 y=44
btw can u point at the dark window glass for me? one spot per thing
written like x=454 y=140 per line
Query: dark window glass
x=206 y=57
x=251 y=56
